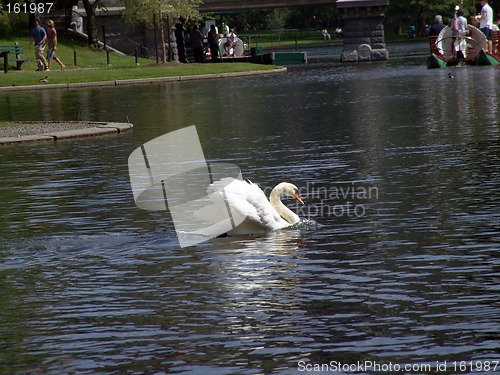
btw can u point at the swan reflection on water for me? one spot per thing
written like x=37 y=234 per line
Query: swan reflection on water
x=257 y=262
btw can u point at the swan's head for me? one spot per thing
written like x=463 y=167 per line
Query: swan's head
x=288 y=189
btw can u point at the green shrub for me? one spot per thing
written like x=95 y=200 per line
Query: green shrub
x=19 y=23
x=5 y=28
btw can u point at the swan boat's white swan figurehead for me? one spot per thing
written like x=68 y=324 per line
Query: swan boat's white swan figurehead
x=247 y=201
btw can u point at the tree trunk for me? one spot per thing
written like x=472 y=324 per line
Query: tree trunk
x=91 y=27
x=163 y=39
x=169 y=40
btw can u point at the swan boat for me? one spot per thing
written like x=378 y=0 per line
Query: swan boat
x=234 y=48
x=443 y=54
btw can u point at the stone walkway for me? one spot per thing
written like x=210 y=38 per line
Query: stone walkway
x=53 y=131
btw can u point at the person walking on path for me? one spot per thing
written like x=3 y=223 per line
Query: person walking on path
x=39 y=37
x=52 y=42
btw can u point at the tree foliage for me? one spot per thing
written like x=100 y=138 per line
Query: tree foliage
x=152 y=13
x=143 y=12
x=401 y=13
x=422 y=12
x=316 y=17
x=276 y=19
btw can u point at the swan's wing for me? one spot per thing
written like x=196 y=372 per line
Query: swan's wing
x=246 y=202
x=227 y=195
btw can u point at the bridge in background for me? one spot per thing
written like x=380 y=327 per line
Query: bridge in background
x=235 y=5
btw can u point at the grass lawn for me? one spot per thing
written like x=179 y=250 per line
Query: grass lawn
x=24 y=77
x=92 y=66
x=85 y=57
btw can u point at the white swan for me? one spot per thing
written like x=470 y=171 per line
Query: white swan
x=247 y=201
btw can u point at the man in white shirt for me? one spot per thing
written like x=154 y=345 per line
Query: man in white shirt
x=486 y=22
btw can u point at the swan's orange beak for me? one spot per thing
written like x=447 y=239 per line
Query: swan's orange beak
x=297 y=196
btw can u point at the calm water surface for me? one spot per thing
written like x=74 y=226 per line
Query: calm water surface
x=398 y=165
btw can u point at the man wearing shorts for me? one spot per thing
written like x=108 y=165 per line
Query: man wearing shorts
x=52 y=42
x=486 y=22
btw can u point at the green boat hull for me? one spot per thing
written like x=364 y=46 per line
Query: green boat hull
x=484 y=58
x=434 y=62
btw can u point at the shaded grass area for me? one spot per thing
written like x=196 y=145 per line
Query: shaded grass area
x=92 y=66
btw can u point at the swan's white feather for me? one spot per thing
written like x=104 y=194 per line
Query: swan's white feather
x=247 y=203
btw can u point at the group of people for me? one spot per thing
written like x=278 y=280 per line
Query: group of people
x=229 y=46
x=42 y=38
x=338 y=33
x=459 y=26
x=196 y=40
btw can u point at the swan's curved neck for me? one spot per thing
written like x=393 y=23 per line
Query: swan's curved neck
x=287 y=214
